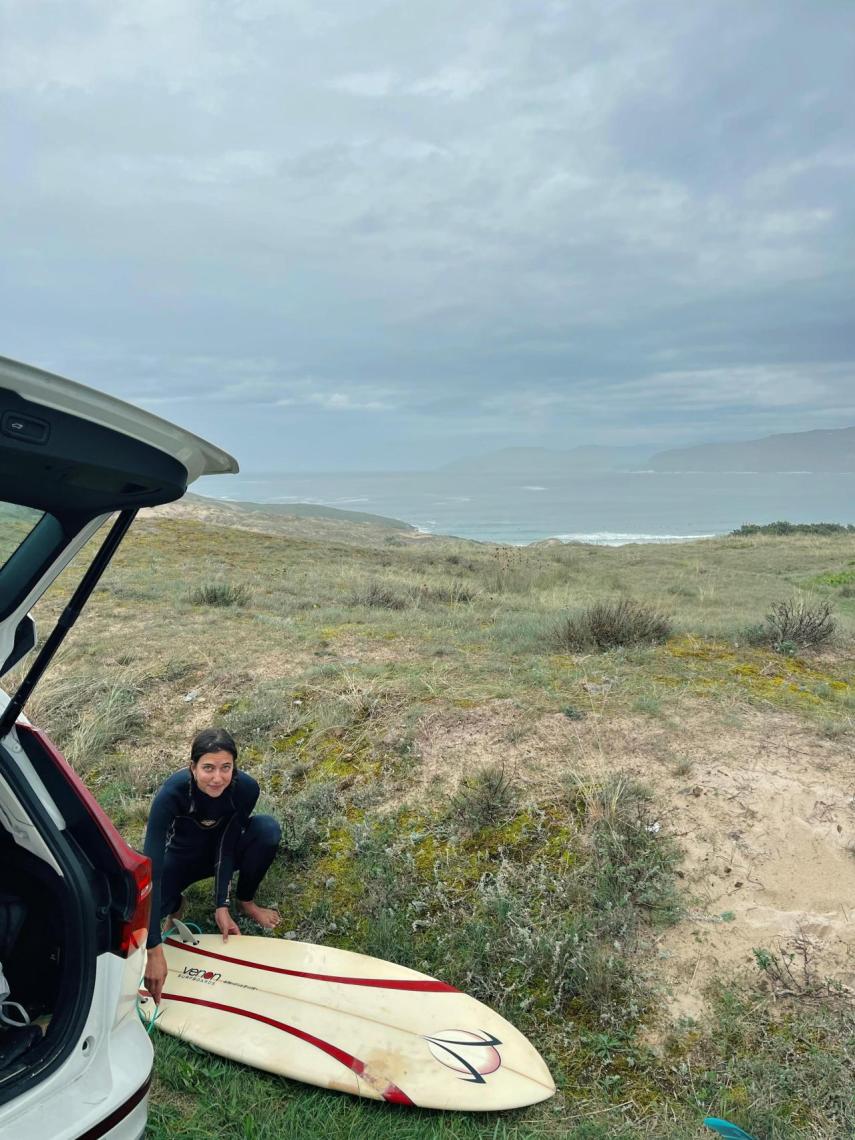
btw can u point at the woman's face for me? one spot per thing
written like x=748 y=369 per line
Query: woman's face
x=213 y=772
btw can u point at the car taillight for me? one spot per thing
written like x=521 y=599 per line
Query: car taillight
x=134 y=904
x=134 y=932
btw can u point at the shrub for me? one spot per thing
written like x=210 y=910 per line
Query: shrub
x=379 y=595
x=219 y=594
x=305 y=818
x=798 y=624
x=784 y=527
x=607 y=625
x=484 y=800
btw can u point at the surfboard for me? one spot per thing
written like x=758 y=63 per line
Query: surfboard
x=348 y=1022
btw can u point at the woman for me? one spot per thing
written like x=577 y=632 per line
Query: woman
x=200 y=826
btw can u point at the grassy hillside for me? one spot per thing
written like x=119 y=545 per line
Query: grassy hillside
x=297 y=520
x=594 y=838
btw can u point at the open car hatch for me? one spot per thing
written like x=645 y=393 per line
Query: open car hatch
x=71 y=457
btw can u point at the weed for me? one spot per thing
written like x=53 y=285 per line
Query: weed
x=378 y=595
x=486 y=799
x=219 y=594
x=89 y=714
x=843 y=578
x=799 y=623
x=791 y=972
x=648 y=703
x=609 y=625
x=305 y=818
x=631 y=874
x=454 y=594
x=683 y=766
x=268 y=710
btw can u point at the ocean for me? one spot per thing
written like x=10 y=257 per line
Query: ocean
x=609 y=508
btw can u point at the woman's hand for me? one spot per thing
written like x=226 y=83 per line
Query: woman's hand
x=225 y=923
x=155 y=972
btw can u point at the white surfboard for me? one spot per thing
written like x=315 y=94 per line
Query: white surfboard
x=348 y=1022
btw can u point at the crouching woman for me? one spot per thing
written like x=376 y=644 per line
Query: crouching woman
x=201 y=825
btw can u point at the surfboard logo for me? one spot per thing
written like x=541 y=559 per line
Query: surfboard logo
x=194 y=974
x=470 y=1052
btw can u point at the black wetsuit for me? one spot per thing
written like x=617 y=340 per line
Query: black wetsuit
x=192 y=836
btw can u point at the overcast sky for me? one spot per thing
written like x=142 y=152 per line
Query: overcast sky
x=374 y=235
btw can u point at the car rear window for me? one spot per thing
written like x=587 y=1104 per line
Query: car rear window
x=15 y=524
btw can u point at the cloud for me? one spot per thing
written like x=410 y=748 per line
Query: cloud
x=542 y=222
x=367 y=84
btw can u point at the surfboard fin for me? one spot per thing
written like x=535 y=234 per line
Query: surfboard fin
x=185 y=933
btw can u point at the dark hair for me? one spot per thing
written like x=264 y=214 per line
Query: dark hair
x=212 y=740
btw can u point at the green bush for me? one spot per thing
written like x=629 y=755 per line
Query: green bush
x=784 y=527
x=608 y=625
x=219 y=594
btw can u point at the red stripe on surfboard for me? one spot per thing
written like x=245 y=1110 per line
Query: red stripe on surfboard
x=391 y=1093
x=430 y=986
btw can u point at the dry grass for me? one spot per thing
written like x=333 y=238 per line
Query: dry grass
x=362 y=720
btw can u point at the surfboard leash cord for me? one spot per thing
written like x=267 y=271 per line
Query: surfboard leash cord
x=726 y=1129
x=149 y=1022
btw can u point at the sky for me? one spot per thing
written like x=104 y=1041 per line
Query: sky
x=376 y=236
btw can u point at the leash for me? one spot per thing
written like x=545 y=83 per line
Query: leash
x=185 y=931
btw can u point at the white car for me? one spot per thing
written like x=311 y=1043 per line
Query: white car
x=75 y=1062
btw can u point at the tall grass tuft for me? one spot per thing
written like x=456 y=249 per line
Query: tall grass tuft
x=485 y=799
x=610 y=625
x=378 y=595
x=89 y=715
x=219 y=594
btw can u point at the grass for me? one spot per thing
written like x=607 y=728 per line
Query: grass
x=219 y=594
x=540 y=892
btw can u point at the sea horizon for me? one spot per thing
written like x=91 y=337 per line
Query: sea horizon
x=609 y=508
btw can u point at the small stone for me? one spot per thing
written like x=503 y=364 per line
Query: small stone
x=697 y=790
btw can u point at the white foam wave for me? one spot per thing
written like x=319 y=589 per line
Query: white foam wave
x=614 y=538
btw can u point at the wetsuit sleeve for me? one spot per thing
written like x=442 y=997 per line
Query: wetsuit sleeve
x=246 y=796
x=163 y=811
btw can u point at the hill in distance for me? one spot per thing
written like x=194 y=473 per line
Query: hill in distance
x=822 y=450
x=811 y=451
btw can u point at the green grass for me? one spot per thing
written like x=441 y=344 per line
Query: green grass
x=543 y=897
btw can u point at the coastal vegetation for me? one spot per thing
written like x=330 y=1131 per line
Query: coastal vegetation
x=498 y=765
x=783 y=527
